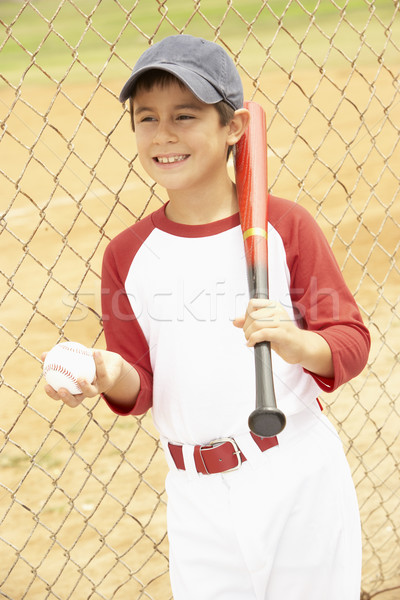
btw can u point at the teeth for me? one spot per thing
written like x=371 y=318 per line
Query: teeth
x=171 y=159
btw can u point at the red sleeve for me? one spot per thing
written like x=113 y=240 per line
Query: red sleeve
x=122 y=330
x=323 y=303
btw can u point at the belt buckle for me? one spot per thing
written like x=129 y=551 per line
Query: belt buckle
x=236 y=451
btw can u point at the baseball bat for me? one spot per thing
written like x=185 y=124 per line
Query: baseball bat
x=252 y=190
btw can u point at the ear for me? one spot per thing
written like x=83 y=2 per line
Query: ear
x=238 y=125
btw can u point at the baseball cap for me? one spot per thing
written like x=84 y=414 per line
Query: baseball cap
x=203 y=66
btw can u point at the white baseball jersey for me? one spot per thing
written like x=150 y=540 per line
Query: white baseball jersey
x=170 y=293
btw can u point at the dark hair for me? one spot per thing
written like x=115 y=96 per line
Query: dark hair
x=163 y=78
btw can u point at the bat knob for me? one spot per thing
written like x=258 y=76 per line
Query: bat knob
x=267 y=422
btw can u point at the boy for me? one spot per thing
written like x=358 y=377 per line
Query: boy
x=248 y=518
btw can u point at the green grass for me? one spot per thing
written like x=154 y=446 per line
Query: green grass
x=41 y=39
x=13 y=461
x=20 y=462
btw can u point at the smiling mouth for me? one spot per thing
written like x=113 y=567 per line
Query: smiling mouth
x=171 y=159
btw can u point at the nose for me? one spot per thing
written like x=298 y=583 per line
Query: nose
x=164 y=133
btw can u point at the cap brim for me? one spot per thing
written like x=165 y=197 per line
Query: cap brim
x=200 y=87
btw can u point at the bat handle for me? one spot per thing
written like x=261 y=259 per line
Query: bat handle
x=266 y=420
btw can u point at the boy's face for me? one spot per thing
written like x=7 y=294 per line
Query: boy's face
x=180 y=140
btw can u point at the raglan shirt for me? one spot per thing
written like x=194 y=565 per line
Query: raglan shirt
x=170 y=293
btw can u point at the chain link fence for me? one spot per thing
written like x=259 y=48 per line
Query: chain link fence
x=82 y=500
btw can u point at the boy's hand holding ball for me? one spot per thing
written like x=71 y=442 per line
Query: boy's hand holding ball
x=67 y=362
x=74 y=372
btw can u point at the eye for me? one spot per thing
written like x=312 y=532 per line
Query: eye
x=185 y=117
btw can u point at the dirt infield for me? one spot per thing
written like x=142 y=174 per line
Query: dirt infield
x=82 y=497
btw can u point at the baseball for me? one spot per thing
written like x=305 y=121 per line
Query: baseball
x=66 y=363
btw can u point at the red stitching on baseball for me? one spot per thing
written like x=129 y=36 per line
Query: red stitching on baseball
x=60 y=369
x=75 y=349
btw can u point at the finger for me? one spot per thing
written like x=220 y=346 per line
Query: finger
x=101 y=370
x=264 y=335
x=258 y=320
x=70 y=399
x=257 y=303
x=262 y=317
x=101 y=378
x=102 y=375
x=51 y=392
x=264 y=311
x=261 y=335
x=239 y=321
x=264 y=326
x=89 y=390
x=63 y=395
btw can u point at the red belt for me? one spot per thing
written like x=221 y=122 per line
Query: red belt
x=219 y=456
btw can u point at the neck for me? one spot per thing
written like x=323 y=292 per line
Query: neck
x=202 y=206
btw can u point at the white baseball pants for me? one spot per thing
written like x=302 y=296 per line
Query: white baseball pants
x=285 y=526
